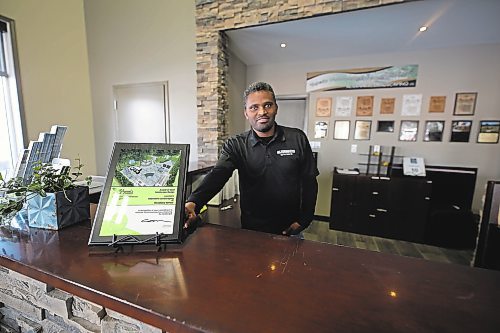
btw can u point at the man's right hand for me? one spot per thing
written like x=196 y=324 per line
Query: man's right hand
x=189 y=210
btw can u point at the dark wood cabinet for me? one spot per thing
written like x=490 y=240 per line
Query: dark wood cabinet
x=395 y=207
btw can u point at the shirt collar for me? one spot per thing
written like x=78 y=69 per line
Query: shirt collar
x=278 y=136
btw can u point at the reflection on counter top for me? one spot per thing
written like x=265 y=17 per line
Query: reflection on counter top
x=230 y=280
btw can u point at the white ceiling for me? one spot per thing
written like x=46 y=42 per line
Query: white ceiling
x=392 y=28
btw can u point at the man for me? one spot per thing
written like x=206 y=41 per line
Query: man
x=276 y=170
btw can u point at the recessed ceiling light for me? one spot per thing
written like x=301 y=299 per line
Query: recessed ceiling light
x=422 y=28
x=283 y=45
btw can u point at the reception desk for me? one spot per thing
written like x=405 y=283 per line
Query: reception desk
x=230 y=280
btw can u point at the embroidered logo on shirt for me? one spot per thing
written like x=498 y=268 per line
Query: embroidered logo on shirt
x=286 y=152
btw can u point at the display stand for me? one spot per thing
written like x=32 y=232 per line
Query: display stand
x=381 y=158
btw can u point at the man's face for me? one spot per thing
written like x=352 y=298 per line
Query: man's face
x=260 y=111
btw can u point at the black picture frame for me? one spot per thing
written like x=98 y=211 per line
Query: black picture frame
x=465 y=104
x=408 y=130
x=460 y=130
x=489 y=131
x=434 y=130
x=385 y=126
x=143 y=197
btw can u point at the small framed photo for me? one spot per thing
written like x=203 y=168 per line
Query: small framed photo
x=408 y=130
x=488 y=131
x=362 y=129
x=341 y=129
x=320 y=129
x=465 y=104
x=143 y=197
x=386 y=126
x=437 y=103
x=434 y=130
x=460 y=130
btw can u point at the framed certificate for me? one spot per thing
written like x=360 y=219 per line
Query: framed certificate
x=488 y=131
x=341 y=129
x=323 y=107
x=465 y=104
x=437 y=103
x=362 y=129
x=364 y=106
x=143 y=197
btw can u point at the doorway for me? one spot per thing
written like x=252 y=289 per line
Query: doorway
x=141 y=112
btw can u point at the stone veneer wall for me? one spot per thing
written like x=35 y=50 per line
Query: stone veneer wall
x=213 y=17
x=28 y=305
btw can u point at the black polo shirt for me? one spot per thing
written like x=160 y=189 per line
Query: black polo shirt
x=277 y=179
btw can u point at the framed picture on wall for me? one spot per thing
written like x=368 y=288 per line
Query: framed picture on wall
x=320 y=129
x=323 y=107
x=460 y=130
x=362 y=129
x=364 y=106
x=408 y=130
x=387 y=105
x=434 y=130
x=385 y=126
x=488 y=131
x=341 y=129
x=465 y=104
x=437 y=103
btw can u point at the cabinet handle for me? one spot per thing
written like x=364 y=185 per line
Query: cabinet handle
x=372 y=215
x=382 y=210
x=335 y=189
x=375 y=193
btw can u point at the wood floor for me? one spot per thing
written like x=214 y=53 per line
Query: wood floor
x=319 y=231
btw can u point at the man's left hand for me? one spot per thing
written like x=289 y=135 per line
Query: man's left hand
x=293 y=229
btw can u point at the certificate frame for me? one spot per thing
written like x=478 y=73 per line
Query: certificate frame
x=143 y=197
x=341 y=129
x=489 y=131
x=362 y=129
x=465 y=104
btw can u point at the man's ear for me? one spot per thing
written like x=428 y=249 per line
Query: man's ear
x=245 y=113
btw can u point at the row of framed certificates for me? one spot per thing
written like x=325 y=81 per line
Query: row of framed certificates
x=488 y=132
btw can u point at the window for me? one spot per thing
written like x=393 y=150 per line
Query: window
x=11 y=129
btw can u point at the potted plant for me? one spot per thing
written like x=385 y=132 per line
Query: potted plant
x=53 y=199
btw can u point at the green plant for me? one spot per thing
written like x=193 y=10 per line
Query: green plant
x=46 y=179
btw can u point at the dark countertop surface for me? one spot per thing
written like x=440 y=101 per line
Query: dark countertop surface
x=230 y=280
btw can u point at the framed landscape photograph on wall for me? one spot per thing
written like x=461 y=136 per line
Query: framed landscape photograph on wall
x=465 y=104
x=460 y=130
x=489 y=131
x=143 y=197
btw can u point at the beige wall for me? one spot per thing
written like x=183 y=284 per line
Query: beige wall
x=442 y=72
x=54 y=72
x=131 y=42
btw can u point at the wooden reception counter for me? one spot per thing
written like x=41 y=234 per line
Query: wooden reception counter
x=231 y=280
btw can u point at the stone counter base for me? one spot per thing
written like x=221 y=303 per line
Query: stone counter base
x=28 y=305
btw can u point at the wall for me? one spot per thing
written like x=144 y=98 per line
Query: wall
x=136 y=42
x=237 y=83
x=215 y=16
x=54 y=72
x=442 y=72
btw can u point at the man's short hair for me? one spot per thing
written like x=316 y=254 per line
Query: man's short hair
x=257 y=86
